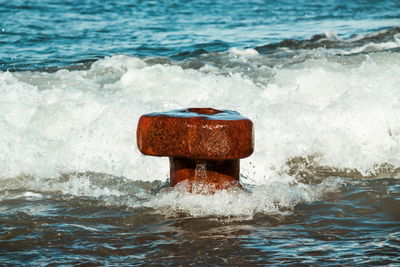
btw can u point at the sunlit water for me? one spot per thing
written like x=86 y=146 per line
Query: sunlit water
x=320 y=80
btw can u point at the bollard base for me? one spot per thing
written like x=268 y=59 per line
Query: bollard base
x=204 y=175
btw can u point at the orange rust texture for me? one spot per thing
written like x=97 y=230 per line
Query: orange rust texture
x=204 y=147
x=195 y=137
x=218 y=174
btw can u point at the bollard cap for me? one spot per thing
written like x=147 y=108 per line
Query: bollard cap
x=198 y=133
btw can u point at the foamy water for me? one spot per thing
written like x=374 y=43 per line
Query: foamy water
x=339 y=113
x=320 y=80
x=345 y=111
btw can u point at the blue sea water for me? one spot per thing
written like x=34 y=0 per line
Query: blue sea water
x=319 y=79
x=38 y=34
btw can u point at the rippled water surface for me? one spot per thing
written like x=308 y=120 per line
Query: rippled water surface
x=320 y=80
x=54 y=33
x=358 y=223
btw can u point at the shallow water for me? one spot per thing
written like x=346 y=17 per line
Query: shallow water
x=319 y=80
x=354 y=221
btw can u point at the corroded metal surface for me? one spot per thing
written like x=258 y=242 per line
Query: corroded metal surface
x=196 y=133
x=204 y=145
x=221 y=174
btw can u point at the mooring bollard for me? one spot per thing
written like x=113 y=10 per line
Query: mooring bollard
x=204 y=145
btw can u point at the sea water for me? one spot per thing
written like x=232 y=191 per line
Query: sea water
x=320 y=80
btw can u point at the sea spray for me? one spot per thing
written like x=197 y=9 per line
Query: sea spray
x=68 y=121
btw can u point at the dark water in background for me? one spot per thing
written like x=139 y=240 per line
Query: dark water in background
x=38 y=34
x=320 y=79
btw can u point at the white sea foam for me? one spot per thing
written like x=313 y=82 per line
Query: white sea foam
x=273 y=197
x=249 y=52
x=347 y=112
x=372 y=47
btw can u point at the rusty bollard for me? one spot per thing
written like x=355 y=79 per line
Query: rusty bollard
x=204 y=145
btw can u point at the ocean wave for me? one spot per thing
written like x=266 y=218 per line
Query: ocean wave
x=345 y=112
x=370 y=42
x=285 y=52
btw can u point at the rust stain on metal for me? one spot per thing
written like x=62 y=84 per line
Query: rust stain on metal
x=204 y=144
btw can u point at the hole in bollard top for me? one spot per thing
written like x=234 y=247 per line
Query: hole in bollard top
x=200 y=113
x=205 y=111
